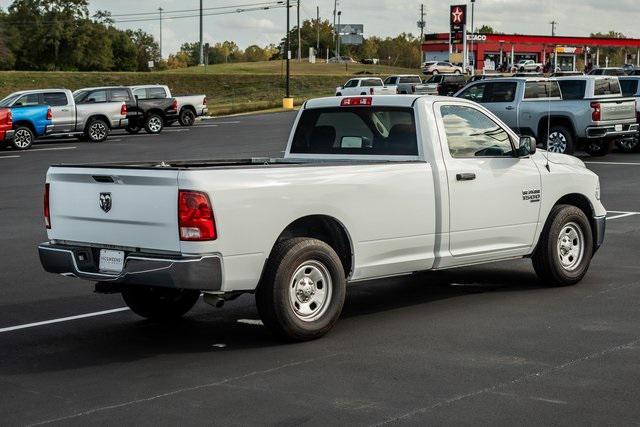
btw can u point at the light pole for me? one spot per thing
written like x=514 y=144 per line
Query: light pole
x=201 y=45
x=338 y=31
x=287 y=47
x=475 y=60
x=160 y=11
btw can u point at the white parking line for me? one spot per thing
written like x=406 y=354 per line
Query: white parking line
x=51 y=149
x=206 y=126
x=620 y=214
x=228 y=123
x=63 y=319
x=255 y=322
x=614 y=163
x=176 y=130
x=9 y=157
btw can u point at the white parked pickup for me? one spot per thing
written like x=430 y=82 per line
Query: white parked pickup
x=365 y=86
x=369 y=187
x=189 y=106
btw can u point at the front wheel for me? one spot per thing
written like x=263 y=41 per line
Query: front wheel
x=598 y=148
x=303 y=290
x=187 y=117
x=154 y=124
x=565 y=249
x=22 y=138
x=97 y=131
x=560 y=140
x=159 y=303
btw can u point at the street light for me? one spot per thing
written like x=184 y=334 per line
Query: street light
x=338 y=43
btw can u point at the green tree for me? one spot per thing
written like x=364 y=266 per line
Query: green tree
x=147 y=49
x=486 y=29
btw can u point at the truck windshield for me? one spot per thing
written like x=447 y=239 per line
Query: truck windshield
x=383 y=131
x=8 y=101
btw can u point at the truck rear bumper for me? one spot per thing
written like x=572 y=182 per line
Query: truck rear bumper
x=202 y=273
x=610 y=131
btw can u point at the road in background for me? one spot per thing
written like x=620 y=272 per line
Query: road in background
x=478 y=345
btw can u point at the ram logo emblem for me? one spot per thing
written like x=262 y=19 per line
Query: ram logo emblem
x=105 y=202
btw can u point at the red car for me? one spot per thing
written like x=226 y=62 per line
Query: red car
x=6 y=125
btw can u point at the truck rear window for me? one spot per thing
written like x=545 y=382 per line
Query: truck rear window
x=607 y=87
x=573 y=89
x=382 y=131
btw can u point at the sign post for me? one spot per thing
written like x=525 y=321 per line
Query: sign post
x=458 y=29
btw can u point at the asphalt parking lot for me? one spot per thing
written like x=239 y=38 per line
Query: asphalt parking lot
x=481 y=345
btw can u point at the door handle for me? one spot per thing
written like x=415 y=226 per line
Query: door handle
x=65 y=110
x=466 y=176
x=510 y=108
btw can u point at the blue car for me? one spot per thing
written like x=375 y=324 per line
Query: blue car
x=30 y=120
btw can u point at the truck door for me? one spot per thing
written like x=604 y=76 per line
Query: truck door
x=62 y=109
x=493 y=195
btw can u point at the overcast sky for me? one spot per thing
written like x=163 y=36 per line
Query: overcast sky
x=380 y=17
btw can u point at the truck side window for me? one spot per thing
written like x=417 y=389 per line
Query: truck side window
x=470 y=133
x=156 y=93
x=140 y=93
x=535 y=90
x=501 y=92
x=475 y=93
x=573 y=89
x=96 y=96
x=606 y=87
x=55 y=99
x=372 y=83
x=351 y=83
x=27 y=100
x=118 y=95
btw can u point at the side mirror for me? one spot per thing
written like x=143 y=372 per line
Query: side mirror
x=528 y=146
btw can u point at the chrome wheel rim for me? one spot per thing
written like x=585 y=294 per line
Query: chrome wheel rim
x=310 y=291
x=98 y=131
x=570 y=246
x=557 y=142
x=188 y=118
x=155 y=124
x=22 y=138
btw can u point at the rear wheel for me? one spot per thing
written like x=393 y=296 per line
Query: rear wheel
x=565 y=249
x=133 y=129
x=303 y=289
x=159 y=303
x=22 y=138
x=154 y=124
x=560 y=140
x=187 y=117
x=598 y=148
x=97 y=131
x=628 y=145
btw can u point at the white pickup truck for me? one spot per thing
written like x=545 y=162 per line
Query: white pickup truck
x=365 y=86
x=189 y=106
x=369 y=187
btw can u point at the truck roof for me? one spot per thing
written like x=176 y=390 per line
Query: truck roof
x=586 y=77
x=20 y=92
x=406 y=101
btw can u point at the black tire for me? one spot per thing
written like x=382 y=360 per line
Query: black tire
x=159 y=303
x=339 y=94
x=547 y=257
x=133 y=129
x=565 y=137
x=187 y=117
x=278 y=304
x=97 y=131
x=598 y=148
x=23 y=138
x=629 y=145
x=153 y=124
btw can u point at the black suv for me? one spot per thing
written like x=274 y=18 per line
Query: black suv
x=446 y=84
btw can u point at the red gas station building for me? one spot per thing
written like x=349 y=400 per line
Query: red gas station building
x=491 y=50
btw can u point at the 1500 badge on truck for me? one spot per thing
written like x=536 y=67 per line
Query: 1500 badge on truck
x=370 y=187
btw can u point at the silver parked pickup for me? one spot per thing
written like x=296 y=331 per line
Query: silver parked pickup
x=189 y=106
x=407 y=84
x=567 y=111
x=92 y=121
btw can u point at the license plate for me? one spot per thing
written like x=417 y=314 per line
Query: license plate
x=111 y=261
x=618 y=128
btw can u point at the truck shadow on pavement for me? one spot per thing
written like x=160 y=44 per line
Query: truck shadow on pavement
x=123 y=338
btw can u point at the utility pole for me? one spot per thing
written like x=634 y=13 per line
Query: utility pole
x=335 y=11
x=299 y=37
x=553 y=28
x=160 y=10
x=338 y=50
x=421 y=25
x=201 y=45
x=318 y=28
x=287 y=52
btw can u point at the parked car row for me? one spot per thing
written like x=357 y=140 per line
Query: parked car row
x=90 y=114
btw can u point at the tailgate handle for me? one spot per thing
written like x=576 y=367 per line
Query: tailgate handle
x=104 y=179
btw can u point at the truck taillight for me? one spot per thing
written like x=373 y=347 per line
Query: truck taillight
x=123 y=109
x=49 y=114
x=596 y=114
x=439 y=89
x=9 y=117
x=47 y=212
x=195 y=217
x=204 y=102
x=174 y=104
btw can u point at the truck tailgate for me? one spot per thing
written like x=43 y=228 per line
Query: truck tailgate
x=618 y=109
x=114 y=207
